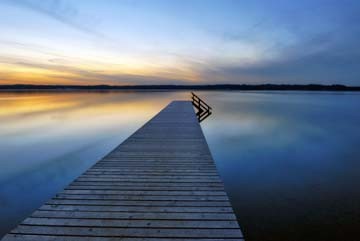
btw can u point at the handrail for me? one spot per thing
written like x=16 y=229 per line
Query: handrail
x=200 y=100
x=203 y=109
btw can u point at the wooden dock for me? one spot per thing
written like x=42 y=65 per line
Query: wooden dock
x=159 y=184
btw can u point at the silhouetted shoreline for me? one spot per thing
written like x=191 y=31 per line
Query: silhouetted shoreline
x=280 y=87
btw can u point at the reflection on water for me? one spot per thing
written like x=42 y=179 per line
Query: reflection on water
x=48 y=139
x=289 y=160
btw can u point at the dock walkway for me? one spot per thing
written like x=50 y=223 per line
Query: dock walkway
x=159 y=184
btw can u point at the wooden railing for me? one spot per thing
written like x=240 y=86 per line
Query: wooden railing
x=203 y=109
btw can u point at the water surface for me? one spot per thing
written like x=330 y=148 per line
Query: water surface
x=289 y=160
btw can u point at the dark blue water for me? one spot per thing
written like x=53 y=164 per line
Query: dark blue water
x=289 y=160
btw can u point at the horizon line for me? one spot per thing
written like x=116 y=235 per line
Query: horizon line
x=268 y=86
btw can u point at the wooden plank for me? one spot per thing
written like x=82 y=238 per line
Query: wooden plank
x=148 y=193
x=148 y=180
x=133 y=216
x=130 y=232
x=135 y=203
x=148 y=175
x=29 y=237
x=142 y=197
x=140 y=188
x=130 y=223
x=161 y=184
x=156 y=162
x=109 y=208
x=148 y=184
x=152 y=171
x=134 y=165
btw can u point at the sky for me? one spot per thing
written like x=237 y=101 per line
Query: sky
x=128 y=42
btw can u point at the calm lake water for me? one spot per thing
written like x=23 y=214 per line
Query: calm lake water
x=290 y=161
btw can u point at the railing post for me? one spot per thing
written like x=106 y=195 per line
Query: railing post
x=203 y=109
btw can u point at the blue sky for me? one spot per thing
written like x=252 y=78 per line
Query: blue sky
x=179 y=42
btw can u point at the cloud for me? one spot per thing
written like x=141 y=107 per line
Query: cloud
x=324 y=58
x=57 y=72
x=62 y=12
x=313 y=45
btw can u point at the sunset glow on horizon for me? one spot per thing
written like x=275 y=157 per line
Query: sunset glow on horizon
x=179 y=42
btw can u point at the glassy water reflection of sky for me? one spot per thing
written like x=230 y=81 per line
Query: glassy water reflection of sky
x=289 y=160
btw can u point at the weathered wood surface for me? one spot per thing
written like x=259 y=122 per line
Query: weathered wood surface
x=159 y=184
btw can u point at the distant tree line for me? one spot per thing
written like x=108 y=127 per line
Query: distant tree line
x=310 y=87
